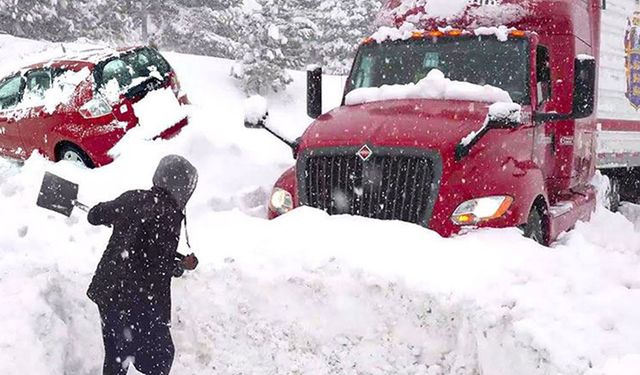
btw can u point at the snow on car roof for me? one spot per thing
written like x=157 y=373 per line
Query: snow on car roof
x=79 y=59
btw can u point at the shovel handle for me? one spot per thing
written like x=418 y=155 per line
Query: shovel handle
x=81 y=206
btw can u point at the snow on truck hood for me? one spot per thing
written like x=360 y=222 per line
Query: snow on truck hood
x=433 y=86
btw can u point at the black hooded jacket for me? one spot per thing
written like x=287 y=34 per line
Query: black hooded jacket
x=138 y=264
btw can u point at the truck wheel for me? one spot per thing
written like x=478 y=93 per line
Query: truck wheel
x=535 y=228
x=613 y=195
x=74 y=154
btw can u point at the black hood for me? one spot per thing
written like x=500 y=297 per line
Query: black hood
x=178 y=177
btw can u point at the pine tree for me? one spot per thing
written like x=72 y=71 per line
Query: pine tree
x=344 y=25
x=272 y=42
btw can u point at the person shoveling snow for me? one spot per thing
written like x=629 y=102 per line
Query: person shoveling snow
x=132 y=284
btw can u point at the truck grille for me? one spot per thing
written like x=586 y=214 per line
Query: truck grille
x=392 y=184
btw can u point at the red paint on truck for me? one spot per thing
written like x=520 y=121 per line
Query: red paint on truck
x=544 y=166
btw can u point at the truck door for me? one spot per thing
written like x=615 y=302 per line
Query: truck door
x=11 y=90
x=543 y=150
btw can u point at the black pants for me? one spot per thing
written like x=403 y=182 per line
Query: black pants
x=130 y=338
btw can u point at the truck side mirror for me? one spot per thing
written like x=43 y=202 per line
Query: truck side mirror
x=314 y=92
x=504 y=116
x=255 y=112
x=256 y=115
x=584 y=90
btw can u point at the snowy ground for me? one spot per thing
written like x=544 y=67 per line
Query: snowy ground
x=308 y=293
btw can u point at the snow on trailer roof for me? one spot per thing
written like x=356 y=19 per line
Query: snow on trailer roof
x=434 y=13
x=532 y=15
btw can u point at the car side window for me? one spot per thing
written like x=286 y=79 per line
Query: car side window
x=37 y=84
x=11 y=92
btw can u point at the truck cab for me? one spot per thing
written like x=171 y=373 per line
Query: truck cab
x=422 y=137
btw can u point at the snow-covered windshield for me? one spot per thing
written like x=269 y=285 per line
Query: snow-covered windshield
x=481 y=60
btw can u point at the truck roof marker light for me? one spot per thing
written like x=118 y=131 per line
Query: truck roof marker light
x=518 y=33
x=454 y=32
x=368 y=40
x=436 y=33
x=417 y=35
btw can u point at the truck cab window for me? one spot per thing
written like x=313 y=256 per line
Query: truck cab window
x=478 y=60
x=363 y=75
x=10 y=92
x=543 y=74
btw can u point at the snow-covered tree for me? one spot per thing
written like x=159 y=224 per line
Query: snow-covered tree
x=265 y=36
x=272 y=41
x=344 y=24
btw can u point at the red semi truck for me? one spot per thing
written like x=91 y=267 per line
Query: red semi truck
x=451 y=161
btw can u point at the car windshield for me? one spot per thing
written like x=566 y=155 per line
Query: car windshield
x=131 y=68
x=481 y=60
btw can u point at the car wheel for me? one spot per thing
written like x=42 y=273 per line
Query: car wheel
x=75 y=155
x=535 y=228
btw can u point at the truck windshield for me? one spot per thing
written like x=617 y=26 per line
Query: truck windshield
x=479 y=60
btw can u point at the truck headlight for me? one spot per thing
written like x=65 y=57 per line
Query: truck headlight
x=481 y=209
x=281 y=201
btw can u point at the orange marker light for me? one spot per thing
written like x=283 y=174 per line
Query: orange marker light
x=454 y=32
x=367 y=40
x=436 y=33
x=417 y=35
x=518 y=33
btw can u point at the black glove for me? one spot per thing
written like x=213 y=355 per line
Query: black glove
x=178 y=269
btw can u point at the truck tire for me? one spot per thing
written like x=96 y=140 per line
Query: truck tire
x=535 y=228
x=74 y=154
x=613 y=194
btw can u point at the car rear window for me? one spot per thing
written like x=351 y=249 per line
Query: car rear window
x=131 y=69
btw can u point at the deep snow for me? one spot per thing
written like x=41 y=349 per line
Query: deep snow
x=308 y=293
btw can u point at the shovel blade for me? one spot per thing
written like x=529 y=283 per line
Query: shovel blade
x=57 y=194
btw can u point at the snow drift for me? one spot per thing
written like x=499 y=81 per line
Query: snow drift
x=308 y=293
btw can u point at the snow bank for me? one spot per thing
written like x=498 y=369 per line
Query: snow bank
x=158 y=111
x=308 y=293
x=433 y=86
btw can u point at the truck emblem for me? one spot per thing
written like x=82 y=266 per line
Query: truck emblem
x=632 y=59
x=364 y=153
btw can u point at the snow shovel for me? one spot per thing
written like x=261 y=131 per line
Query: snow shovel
x=59 y=195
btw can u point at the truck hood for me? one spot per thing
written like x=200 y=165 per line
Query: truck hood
x=429 y=124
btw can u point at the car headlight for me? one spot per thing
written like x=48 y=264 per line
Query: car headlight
x=281 y=201
x=481 y=209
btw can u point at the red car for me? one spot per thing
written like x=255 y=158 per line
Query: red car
x=77 y=108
